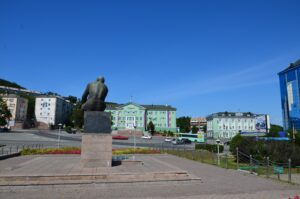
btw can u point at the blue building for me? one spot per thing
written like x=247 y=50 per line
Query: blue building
x=290 y=92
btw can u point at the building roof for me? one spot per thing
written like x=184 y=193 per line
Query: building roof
x=114 y=106
x=294 y=65
x=159 y=107
x=232 y=114
x=198 y=119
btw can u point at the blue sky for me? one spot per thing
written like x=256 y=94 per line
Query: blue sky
x=198 y=56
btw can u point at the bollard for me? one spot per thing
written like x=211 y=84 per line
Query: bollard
x=251 y=170
x=226 y=156
x=10 y=150
x=267 y=167
x=237 y=158
x=290 y=171
x=2 y=151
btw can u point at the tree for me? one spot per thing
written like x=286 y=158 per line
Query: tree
x=274 y=130
x=294 y=136
x=4 y=112
x=195 y=129
x=72 y=99
x=76 y=117
x=184 y=124
x=151 y=127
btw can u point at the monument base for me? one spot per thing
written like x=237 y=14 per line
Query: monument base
x=96 y=150
x=97 y=122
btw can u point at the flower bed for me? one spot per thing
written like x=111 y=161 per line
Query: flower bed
x=77 y=150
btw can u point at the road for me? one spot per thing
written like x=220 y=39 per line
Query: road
x=50 y=139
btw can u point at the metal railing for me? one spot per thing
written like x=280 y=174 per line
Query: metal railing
x=241 y=161
x=15 y=149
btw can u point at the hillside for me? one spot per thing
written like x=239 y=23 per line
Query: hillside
x=4 y=82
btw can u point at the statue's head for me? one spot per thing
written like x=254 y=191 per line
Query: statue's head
x=101 y=79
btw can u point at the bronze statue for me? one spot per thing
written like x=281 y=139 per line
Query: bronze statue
x=93 y=98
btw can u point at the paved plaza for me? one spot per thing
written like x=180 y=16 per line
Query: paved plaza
x=205 y=181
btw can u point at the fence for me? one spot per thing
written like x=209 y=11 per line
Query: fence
x=6 y=151
x=285 y=171
x=241 y=161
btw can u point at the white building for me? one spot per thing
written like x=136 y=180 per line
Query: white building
x=52 y=110
x=228 y=124
x=18 y=109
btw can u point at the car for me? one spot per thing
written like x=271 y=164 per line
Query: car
x=175 y=141
x=168 y=139
x=182 y=141
x=119 y=137
x=146 y=137
x=186 y=141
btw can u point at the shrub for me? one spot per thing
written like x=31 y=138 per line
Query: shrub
x=171 y=133
x=210 y=147
x=278 y=151
x=65 y=150
x=68 y=129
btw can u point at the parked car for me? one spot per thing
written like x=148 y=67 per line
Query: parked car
x=168 y=139
x=119 y=137
x=182 y=141
x=146 y=137
x=186 y=141
x=4 y=129
x=175 y=141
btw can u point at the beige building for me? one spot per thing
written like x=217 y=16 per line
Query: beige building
x=52 y=110
x=199 y=122
x=18 y=109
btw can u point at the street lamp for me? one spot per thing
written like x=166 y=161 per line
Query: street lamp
x=134 y=141
x=58 y=140
x=218 y=143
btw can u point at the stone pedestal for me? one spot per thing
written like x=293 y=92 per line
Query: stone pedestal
x=97 y=122
x=96 y=143
x=96 y=150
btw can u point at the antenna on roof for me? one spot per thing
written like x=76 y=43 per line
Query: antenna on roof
x=130 y=98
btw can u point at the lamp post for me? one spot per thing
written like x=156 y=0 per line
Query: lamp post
x=218 y=142
x=134 y=142
x=58 y=140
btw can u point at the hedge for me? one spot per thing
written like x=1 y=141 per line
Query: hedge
x=210 y=147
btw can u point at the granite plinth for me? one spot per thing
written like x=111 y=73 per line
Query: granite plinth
x=97 y=122
x=96 y=150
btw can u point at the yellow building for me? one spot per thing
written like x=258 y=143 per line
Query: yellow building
x=18 y=109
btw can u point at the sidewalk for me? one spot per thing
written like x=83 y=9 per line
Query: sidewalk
x=215 y=182
x=66 y=169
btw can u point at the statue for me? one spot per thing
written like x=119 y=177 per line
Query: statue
x=93 y=98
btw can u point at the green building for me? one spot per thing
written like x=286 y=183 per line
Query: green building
x=130 y=115
x=228 y=124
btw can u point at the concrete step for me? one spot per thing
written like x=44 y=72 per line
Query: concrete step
x=98 y=178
